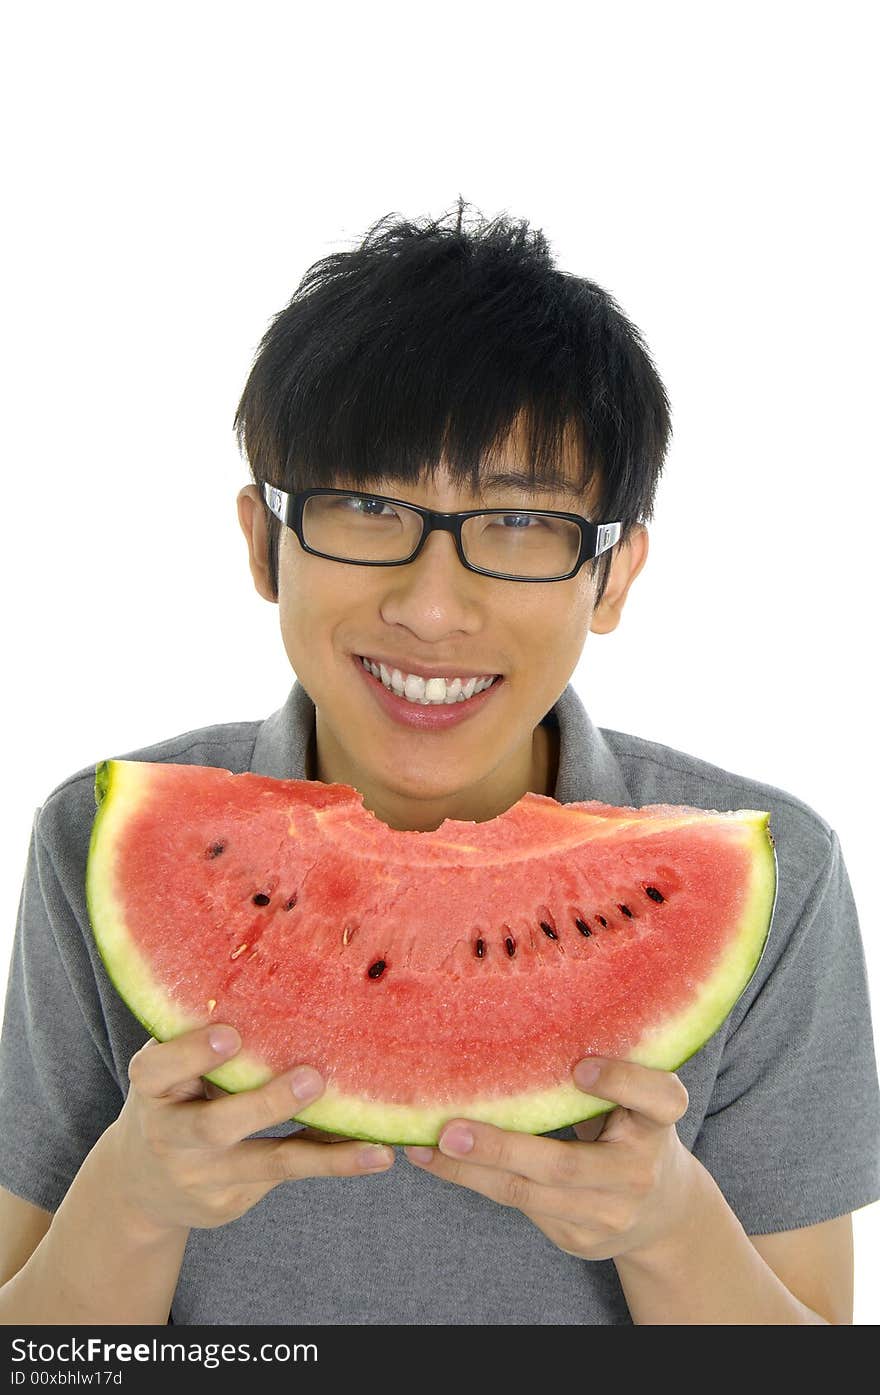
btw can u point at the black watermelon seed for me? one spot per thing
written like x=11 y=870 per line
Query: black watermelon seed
x=626 y=911
x=289 y=905
x=510 y=945
x=654 y=893
x=261 y=899
x=601 y=919
x=480 y=948
x=215 y=850
x=375 y=970
x=582 y=926
x=548 y=930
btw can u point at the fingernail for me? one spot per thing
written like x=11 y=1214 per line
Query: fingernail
x=373 y=1156
x=224 y=1040
x=305 y=1083
x=456 y=1140
x=418 y=1154
x=587 y=1072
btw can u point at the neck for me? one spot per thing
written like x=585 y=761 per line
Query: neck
x=538 y=771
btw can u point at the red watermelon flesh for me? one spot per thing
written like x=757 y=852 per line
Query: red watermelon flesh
x=462 y=971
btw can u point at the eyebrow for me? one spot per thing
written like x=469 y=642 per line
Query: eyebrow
x=504 y=480
x=523 y=481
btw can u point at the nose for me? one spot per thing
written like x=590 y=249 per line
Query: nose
x=434 y=594
x=438 y=542
x=438 y=559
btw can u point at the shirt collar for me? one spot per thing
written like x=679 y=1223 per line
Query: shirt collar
x=588 y=768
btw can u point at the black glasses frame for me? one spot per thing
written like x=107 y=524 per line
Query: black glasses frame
x=596 y=538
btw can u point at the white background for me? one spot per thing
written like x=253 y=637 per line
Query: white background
x=171 y=171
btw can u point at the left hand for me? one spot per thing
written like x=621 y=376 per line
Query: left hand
x=622 y=1187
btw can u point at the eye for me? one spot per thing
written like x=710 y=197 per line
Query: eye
x=523 y=519
x=364 y=504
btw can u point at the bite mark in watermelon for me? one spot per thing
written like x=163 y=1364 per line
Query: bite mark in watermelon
x=459 y=972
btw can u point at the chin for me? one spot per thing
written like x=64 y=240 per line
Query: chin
x=412 y=783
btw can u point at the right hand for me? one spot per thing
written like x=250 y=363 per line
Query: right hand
x=181 y=1148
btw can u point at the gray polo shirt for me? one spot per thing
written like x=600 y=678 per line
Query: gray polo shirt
x=784 y=1105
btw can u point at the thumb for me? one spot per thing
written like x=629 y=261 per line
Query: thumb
x=590 y=1129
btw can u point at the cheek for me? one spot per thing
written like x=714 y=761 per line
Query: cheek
x=558 y=622
x=310 y=600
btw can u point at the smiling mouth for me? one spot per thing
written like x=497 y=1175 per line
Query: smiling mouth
x=432 y=692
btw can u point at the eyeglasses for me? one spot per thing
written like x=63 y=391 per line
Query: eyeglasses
x=371 y=530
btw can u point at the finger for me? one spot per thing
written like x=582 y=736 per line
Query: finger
x=290 y=1159
x=550 y=1162
x=655 y=1097
x=162 y=1070
x=221 y=1123
x=515 y=1190
x=590 y=1129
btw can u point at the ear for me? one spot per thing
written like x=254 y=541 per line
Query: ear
x=254 y=525
x=629 y=558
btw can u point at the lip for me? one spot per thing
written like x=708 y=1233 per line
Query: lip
x=428 y=670
x=429 y=716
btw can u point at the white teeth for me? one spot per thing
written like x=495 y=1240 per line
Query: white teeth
x=427 y=692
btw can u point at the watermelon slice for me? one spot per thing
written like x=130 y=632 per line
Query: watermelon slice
x=462 y=971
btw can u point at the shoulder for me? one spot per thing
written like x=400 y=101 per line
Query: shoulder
x=659 y=774
x=811 y=905
x=814 y=946
x=65 y=817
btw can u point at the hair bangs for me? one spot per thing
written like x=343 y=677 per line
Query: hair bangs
x=432 y=346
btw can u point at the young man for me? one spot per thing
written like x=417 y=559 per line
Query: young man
x=451 y=370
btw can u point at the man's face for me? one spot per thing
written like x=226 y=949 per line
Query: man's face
x=436 y=611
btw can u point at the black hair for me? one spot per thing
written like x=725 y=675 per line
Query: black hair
x=435 y=339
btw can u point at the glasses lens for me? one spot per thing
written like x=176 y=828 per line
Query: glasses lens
x=360 y=528
x=521 y=544
x=365 y=528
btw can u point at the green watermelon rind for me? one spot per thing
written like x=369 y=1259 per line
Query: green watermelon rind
x=533 y=1112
